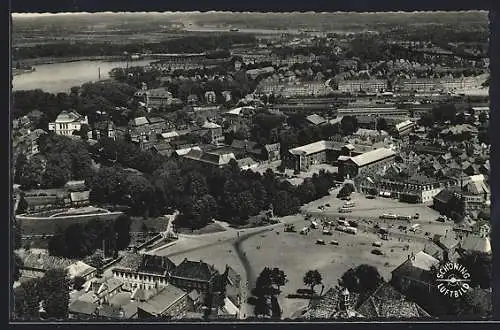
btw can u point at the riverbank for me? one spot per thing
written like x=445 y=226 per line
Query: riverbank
x=57 y=60
x=18 y=72
x=60 y=77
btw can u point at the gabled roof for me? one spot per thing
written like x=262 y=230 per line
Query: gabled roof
x=139 y=121
x=476 y=244
x=82 y=307
x=388 y=303
x=68 y=116
x=372 y=156
x=163 y=300
x=310 y=148
x=130 y=261
x=44 y=262
x=155 y=264
x=315 y=119
x=210 y=125
x=196 y=270
x=444 y=196
x=79 y=268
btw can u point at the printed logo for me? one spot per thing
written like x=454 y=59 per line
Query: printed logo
x=453 y=280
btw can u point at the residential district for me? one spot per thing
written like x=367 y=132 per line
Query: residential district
x=260 y=181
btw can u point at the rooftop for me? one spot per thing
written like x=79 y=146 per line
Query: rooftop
x=164 y=299
x=44 y=261
x=372 y=156
x=388 y=303
x=197 y=270
x=68 y=116
x=79 y=268
x=311 y=148
x=473 y=243
x=139 y=121
x=316 y=119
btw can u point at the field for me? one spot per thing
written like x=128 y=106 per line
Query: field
x=295 y=253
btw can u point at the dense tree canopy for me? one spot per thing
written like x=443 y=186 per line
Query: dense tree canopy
x=363 y=279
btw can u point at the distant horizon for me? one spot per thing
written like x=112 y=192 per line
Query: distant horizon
x=38 y=15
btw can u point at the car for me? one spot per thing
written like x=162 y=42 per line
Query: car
x=377 y=252
x=427 y=233
x=327 y=205
x=320 y=242
x=327 y=232
x=353 y=223
x=370 y=197
x=377 y=244
x=334 y=243
x=416 y=216
x=440 y=219
x=341 y=218
x=376 y=226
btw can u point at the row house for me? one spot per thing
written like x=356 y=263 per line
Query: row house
x=143 y=271
x=413 y=190
x=288 y=90
x=68 y=122
x=365 y=85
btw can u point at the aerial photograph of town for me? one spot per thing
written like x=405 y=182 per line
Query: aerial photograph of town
x=237 y=167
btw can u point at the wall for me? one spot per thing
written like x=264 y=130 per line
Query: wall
x=46 y=225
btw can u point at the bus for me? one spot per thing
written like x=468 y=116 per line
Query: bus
x=404 y=217
x=389 y=216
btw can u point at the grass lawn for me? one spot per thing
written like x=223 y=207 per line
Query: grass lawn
x=210 y=228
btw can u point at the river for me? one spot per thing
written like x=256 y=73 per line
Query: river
x=60 y=77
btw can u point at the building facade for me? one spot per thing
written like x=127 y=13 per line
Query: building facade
x=68 y=122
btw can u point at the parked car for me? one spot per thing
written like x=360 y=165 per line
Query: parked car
x=370 y=197
x=377 y=244
x=402 y=227
x=341 y=218
x=416 y=216
x=327 y=205
x=353 y=223
x=334 y=243
x=440 y=219
x=377 y=252
x=327 y=232
x=320 y=242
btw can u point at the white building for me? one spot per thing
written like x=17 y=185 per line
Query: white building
x=68 y=122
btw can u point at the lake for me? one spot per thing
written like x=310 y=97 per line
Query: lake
x=60 y=77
